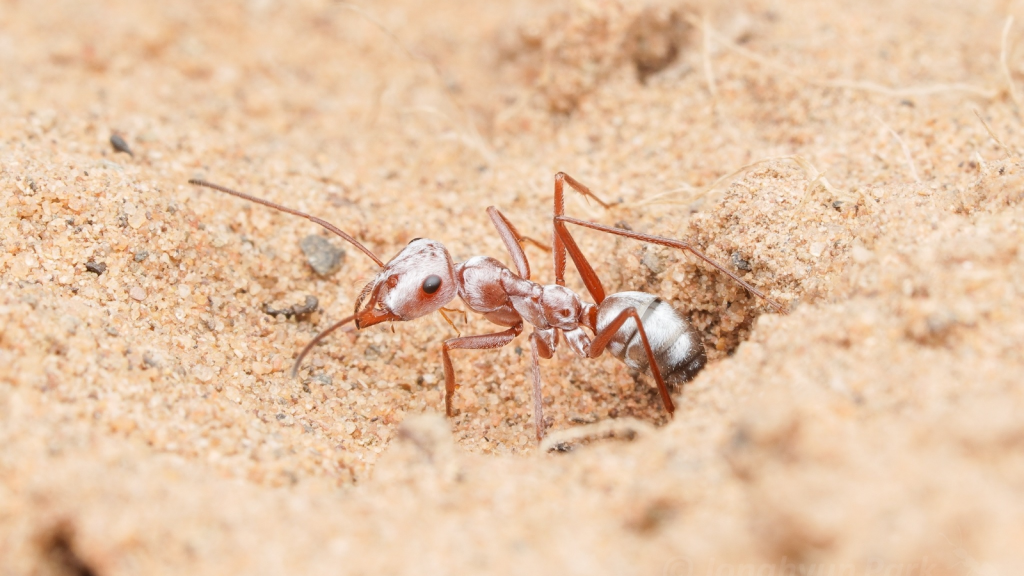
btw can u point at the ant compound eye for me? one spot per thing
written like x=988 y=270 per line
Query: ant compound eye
x=432 y=283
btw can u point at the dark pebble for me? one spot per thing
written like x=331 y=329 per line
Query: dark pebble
x=323 y=379
x=323 y=256
x=120 y=145
x=739 y=262
x=300 y=312
x=96 y=268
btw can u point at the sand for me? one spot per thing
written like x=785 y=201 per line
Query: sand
x=148 y=419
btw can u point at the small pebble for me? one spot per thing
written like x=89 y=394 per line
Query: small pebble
x=141 y=255
x=203 y=373
x=860 y=254
x=739 y=262
x=96 y=268
x=120 y=145
x=323 y=256
x=300 y=312
x=137 y=293
x=137 y=220
x=323 y=379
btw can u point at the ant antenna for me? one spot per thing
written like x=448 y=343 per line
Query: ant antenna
x=316 y=339
x=276 y=206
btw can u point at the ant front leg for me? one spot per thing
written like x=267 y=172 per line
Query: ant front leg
x=479 y=342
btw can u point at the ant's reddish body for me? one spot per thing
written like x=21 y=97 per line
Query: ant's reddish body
x=422 y=279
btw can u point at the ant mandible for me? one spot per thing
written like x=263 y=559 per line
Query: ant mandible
x=422 y=279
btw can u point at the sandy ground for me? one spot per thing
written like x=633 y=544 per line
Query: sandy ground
x=148 y=421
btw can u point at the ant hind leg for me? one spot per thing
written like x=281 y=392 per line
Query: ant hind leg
x=604 y=336
x=564 y=241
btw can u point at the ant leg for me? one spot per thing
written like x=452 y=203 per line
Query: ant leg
x=577 y=257
x=542 y=345
x=562 y=241
x=478 y=342
x=537 y=243
x=323 y=334
x=512 y=239
x=602 y=338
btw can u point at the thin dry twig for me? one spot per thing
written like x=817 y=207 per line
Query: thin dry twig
x=468 y=140
x=618 y=428
x=814 y=176
x=709 y=73
x=981 y=161
x=846 y=84
x=903 y=145
x=992 y=134
x=925 y=90
x=1003 y=53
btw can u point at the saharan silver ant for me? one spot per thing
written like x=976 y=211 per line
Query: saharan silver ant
x=636 y=327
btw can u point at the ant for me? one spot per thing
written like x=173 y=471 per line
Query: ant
x=638 y=328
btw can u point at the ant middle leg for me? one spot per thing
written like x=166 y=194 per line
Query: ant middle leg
x=542 y=345
x=478 y=342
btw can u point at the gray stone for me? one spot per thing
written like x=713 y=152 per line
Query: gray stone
x=323 y=256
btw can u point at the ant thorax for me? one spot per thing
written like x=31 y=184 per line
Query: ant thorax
x=479 y=280
x=488 y=287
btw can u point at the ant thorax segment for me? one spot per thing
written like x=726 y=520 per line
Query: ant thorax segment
x=551 y=309
x=418 y=281
x=550 y=306
x=488 y=287
x=480 y=288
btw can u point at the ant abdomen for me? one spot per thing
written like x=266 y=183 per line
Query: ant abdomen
x=676 y=345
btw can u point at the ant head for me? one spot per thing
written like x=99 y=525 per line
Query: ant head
x=420 y=280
